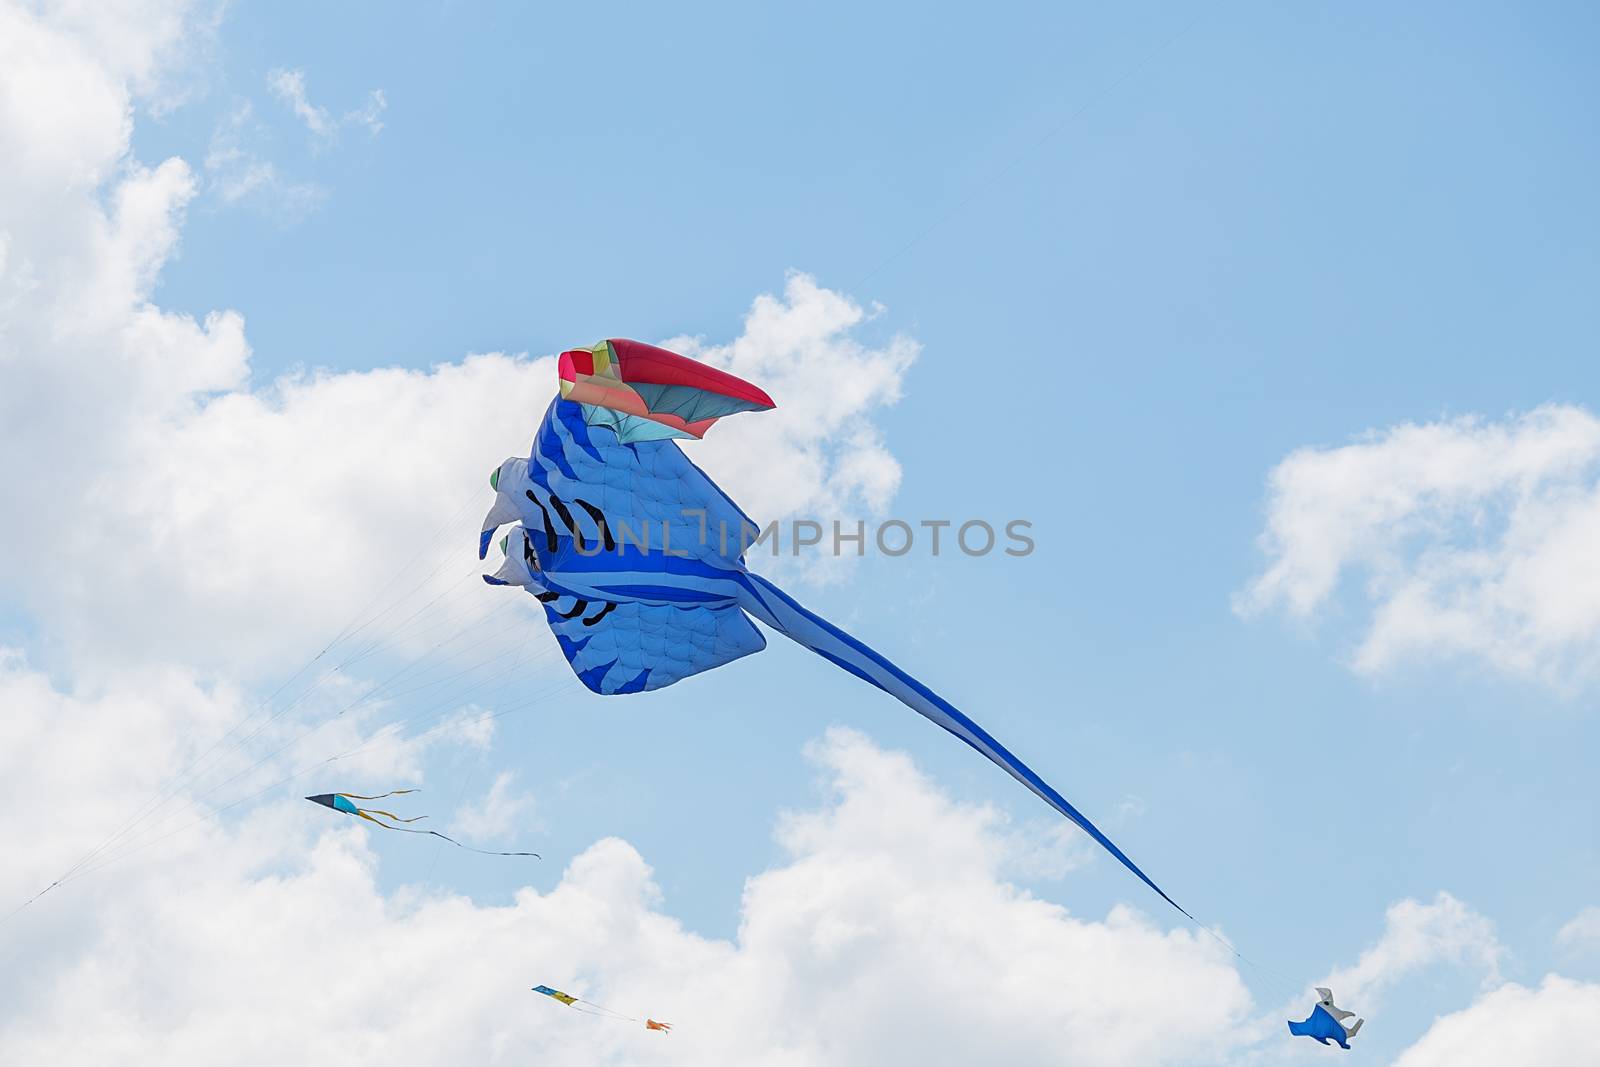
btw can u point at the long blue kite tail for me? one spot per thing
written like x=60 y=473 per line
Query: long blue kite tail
x=778 y=610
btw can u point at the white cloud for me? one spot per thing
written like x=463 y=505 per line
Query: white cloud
x=1417 y=936
x=65 y=111
x=889 y=902
x=1475 y=539
x=1551 y=1026
x=237 y=171
x=370 y=114
x=501 y=811
x=827 y=385
x=140 y=747
x=1581 y=933
x=236 y=164
x=142 y=48
x=290 y=87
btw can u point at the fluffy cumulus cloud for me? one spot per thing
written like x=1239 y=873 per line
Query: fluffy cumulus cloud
x=122 y=776
x=1581 y=933
x=889 y=899
x=1552 y=1025
x=1417 y=935
x=800 y=348
x=503 y=808
x=1472 y=537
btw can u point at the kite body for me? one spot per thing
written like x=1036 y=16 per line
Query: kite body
x=1321 y=1026
x=638 y=557
x=336 y=801
x=1326 y=1022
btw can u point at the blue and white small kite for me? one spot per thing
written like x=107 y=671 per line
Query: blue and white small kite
x=1326 y=1022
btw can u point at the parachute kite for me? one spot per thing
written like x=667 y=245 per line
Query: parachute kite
x=591 y=1008
x=638 y=557
x=1326 y=1022
x=342 y=802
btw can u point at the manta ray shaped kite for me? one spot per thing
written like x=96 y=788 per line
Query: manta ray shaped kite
x=638 y=557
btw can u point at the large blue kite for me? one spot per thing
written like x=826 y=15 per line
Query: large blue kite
x=638 y=557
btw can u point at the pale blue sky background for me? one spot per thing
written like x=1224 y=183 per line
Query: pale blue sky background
x=1290 y=225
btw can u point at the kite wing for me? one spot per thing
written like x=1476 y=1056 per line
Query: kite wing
x=621 y=645
x=634 y=647
x=645 y=393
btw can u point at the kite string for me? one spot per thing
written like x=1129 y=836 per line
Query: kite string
x=602 y=1009
x=129 y=847
x=369 y=745
x=302 y=772
x=1284 y=983
x=174 y=782
x=499 y=700
x=604 y=1013
x=369 y=697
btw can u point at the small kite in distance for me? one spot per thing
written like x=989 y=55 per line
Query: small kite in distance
x=1326 y=1021
x=343 y=802
x=591 y=1008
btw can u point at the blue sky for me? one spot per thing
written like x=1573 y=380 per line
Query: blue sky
x=1195 y=239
